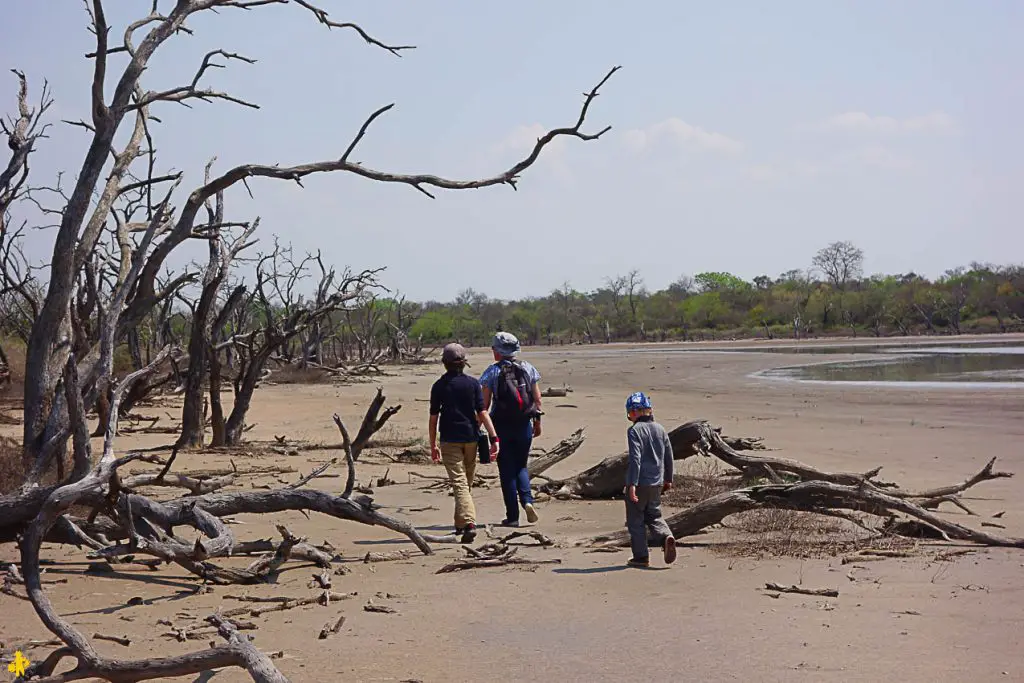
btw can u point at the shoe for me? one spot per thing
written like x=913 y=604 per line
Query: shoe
x=670 y=550
x=531 y=513
x=514 y=523
x=642 y=563
x=469 y=533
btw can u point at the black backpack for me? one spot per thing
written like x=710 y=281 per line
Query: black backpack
x=513 y=396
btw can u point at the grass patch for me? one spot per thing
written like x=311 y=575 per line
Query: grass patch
x=791 y=533
x=696 y=481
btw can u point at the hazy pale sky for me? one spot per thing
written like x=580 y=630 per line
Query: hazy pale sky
x=746 y=134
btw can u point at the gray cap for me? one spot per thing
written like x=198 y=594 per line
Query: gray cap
x=453 y=353
x=506 y=344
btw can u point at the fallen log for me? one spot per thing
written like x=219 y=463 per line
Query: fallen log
x=812 y=496
x=545 y=460
x=606 y=479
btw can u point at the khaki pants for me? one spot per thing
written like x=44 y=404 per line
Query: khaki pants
x=460 y=461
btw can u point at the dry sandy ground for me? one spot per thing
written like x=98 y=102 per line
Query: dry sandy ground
x=705 y=618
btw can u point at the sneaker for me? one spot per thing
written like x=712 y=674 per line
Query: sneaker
x=469 y=533
x=531 y=513
x=670 y=550
x=514 y=523
x=642 y=562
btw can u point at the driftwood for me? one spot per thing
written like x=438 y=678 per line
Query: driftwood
x=256 y=470
x=373 y=421
x=203 y=632
x=325 y=598
x=196 y=486
x=300 y=551
x=99 y=484
x=800 y=590
x=544 y=460
x=394 y=555
x=606 y=479
x=379 y=609
x=122 y=641
x=148 y=526
x=499 y=553
x=812 y=496
x=330 y=629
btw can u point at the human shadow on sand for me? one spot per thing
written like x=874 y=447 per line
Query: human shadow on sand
x=604 y=570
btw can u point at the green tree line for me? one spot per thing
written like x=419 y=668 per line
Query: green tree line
x=831 y=297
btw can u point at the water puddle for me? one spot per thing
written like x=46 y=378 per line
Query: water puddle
x=919 y=364
x=959 y=366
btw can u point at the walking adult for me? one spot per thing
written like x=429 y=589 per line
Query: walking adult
x=457 y=407
x=511 y=390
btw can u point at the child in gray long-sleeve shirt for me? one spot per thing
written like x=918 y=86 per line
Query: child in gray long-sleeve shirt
x=649 y=475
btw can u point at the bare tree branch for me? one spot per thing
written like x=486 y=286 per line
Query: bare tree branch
x=324 y=19
x=192 y=91
x=418 y=181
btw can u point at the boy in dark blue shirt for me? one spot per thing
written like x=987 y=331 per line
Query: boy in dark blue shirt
x=457 y=406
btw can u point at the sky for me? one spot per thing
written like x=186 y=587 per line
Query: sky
x=745 y=135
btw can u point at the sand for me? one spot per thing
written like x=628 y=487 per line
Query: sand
x=705 y=618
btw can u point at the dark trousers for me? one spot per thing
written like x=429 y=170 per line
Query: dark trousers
x=515 y=479
x=644 y=516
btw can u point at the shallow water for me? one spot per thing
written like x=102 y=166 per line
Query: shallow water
x=981 y=346
x=982 y=363
x=960 y=365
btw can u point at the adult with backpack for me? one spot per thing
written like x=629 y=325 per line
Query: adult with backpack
x=511 y=389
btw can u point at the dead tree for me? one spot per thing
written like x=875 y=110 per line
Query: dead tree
x=278 y=318
x=200 y=350
x=312 y=340
x=364 y=323
x=83 y=219
x=116 y=229
x=19 y=302
x=22 y=132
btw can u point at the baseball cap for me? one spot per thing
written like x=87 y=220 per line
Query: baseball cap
x=638 y=401
x=453 y=353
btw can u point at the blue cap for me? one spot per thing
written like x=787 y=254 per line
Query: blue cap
x=506 y=344
x=638 y=401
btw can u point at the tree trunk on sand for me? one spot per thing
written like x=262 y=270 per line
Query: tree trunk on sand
x=244 y=389
x=811 y=496
x=192 y=426
x=607 y=478
x=216 y=407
